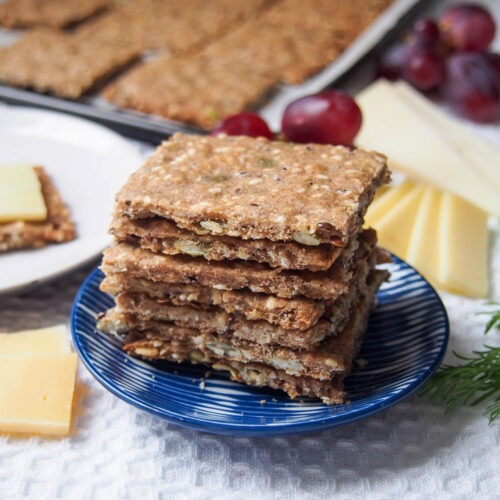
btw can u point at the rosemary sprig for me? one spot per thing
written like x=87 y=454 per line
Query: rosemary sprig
x=472 y=382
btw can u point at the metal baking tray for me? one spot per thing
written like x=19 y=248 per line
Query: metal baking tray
x=154 y=129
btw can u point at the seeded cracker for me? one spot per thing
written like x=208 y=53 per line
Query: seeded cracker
x=234 y=275
x=53 y=13
x=174 y=26
x=299 y=312
x=255 y=188
x=56 y=228
x=163 y=236
x=140 y=311
x=257 y=374
x=58 y=63
x=191 y=89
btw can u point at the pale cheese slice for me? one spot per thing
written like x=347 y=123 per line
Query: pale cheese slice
x=463 y=255
x=414 y=144
x=423 y=247
x=395 y=228
x=384 y=203
x=482 y=155
x=52 y=340
x=36 y=392
x=21 y=197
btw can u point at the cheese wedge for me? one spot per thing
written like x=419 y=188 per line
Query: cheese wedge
x=383 y=204
x=423 y=247
x=21 y=195
x=463 y=230
x=394 y=229
x=415 y=144
x=36 y=392
x=480 y=154
x=52 y=340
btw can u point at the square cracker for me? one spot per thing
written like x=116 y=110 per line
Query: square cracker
x=163 y=236
x=299 y=312
x=60 y=64
x=239 y=70
x=174 y=26
x=256 y=188
x=56 y=228
x=53 y=13
x=193 y=89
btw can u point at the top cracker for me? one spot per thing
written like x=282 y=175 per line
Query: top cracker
x=256 y=188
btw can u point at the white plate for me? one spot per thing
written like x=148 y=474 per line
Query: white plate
x=87 y=163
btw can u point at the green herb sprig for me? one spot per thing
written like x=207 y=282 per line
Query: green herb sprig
x=475 y=381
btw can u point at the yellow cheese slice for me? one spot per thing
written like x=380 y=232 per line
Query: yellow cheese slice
x=36 y=392
x=395 y=228
x=52 y=340
x=384 y=203
x=481 y=155
x=423 y=247
x=21 y=195
x=380 y=191
x=415 y=144
x=463 y=255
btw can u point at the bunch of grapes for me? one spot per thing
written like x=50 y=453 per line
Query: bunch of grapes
x=451 y=57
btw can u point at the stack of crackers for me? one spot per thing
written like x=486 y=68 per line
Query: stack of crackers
x=249 y=256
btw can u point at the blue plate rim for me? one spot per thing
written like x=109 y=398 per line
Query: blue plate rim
x=315 y=424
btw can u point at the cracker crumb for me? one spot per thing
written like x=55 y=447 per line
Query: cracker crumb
x=361 y=362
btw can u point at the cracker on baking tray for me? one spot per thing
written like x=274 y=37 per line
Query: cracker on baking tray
x=53 y=13
x=60 y=64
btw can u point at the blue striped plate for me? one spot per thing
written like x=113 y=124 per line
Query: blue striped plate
x=404 y=345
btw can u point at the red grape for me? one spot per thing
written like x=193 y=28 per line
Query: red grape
x=250 y=124
x=426 y=31
x=494 y=60
x=330 y=117
x=425 y=69
x=392 y=62
x=468 y=27
x=473 y=86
